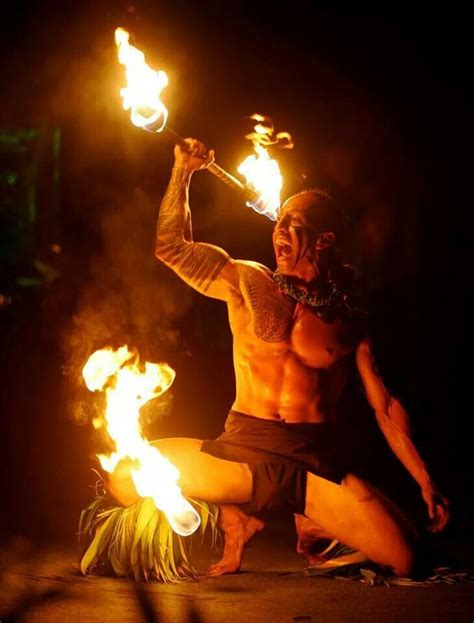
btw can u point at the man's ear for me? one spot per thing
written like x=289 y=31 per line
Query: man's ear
x=325 y=240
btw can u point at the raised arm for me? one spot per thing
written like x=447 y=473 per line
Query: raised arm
x=204 y=267
x=393 y=420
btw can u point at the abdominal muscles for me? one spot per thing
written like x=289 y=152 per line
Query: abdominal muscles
x=275 y=384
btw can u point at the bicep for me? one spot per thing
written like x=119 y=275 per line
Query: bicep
x=388 y=409
x=205 y=267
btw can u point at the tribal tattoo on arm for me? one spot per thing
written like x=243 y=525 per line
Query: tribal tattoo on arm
x=204 y=267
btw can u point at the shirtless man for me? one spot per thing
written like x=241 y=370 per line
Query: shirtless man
x=293 y=332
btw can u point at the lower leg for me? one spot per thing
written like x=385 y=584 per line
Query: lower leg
x=310 y=535
x=316 y=545
x=356 y=514
x=204 y=477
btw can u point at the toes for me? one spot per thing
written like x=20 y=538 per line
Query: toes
x=314 y=560
x=214 y=571
x=221 y=568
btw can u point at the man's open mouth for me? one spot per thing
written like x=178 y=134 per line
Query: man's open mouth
x=283 y=250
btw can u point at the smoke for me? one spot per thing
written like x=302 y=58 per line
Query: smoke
x=129 y=298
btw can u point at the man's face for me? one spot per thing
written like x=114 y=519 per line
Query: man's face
x=294 y=239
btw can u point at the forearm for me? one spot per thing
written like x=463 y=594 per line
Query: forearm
x=393 y=421
x=204 y=267
x=173 y=228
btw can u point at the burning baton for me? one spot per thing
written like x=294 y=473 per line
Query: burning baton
x=142 y=97
x=128 y=385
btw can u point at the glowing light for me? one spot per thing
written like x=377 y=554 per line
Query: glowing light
x=127 y=389
x=262 y=173
x=144 y=85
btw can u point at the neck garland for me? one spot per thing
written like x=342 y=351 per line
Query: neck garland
x=327 y=304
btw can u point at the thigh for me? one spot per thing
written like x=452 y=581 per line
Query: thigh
x=205 y=476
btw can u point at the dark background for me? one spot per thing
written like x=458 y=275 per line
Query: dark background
x=375 y=102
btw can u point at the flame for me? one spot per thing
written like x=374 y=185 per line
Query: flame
x=127 y=389
x=144 y=85
x=262 y=173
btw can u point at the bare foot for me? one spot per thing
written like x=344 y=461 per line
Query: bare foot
x=322 y=559
x=307 y=528
x=340 y=561
x=312 y=560
x=309 y=536
x=238 y=529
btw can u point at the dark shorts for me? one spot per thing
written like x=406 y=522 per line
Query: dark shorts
x=279 y=456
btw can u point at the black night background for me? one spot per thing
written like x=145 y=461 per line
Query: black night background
x=376 y=103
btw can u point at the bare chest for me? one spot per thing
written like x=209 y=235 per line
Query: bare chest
x=318 y=344
x=278 y=322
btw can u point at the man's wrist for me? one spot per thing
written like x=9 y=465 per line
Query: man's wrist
x=426 y=482
x=181 y=172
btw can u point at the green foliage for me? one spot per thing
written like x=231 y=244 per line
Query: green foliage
x=138 y=541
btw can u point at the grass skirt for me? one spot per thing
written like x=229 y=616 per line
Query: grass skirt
x=138 y=542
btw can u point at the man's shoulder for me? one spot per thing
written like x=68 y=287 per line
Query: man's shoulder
x=255 y=278
x=248 y=266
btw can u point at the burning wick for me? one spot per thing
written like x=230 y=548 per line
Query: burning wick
x=262 y=172
x=127 y=389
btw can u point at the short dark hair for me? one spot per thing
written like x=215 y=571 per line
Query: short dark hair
x=323 y=212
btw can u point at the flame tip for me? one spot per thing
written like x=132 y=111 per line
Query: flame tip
x=142 y=93
x=133 y=385
x=262 y=173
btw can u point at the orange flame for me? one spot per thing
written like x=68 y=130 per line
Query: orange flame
x=127 y=389
x=262 y=173
x=144 y=85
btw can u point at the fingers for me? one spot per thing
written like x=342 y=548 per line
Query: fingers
x=444 y=516
x=210 y=157
x=194 y=154
x=431 y=508
x=441 y=514
x=444 y=500
x=438 y=509
x=440 y=520
x=198 y=149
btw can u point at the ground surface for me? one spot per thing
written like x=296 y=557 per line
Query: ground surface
x=44 y=585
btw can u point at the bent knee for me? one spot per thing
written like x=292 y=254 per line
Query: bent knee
x=120 y=486
x=403 y=560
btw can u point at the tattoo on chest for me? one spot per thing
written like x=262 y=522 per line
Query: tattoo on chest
x=272 y=316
